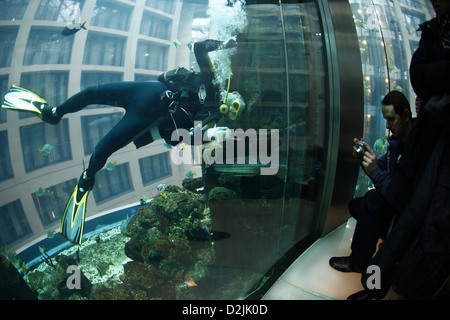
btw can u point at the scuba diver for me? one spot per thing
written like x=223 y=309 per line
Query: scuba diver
x=153 y=110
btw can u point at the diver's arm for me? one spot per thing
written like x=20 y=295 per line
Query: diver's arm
x=202 y=48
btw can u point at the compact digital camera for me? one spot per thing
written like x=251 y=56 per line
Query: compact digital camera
x=360 y=149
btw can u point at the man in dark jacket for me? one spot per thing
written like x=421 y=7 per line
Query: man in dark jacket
x=373 y=213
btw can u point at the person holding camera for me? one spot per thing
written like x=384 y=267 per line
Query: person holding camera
x=373 y=213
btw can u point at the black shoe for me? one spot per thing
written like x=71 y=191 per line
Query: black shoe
x=343 y=264
x=48 y=114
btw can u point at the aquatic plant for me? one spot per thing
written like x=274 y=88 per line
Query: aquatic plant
x=46 y=258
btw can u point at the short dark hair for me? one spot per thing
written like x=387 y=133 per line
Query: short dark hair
x=399 y=101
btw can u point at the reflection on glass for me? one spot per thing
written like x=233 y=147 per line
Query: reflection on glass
x=387 y=38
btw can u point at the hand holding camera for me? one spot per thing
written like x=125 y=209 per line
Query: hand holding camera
x=363 y=153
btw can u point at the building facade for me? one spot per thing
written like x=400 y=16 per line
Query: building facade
x=124 y=41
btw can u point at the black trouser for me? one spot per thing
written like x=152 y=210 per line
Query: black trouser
x=142 y=103
x=374 y=216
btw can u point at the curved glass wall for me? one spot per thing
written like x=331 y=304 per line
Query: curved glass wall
x=231 y=211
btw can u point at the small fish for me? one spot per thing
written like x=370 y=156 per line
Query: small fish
x=190 y=46
x=190 y=174
x=41 y=192
x=103 y=267
x=176 y=43
x=132 y=211
x=143 y=200
x=183 y=146
x=208 y=231
x=24 y=267
x=111 y=166
x=161 y=188
x=46 y=149
x=124 y=225
x=51 y=234
x=204 y=30
x=73 y=28
x=190 y=283
x=42 y=249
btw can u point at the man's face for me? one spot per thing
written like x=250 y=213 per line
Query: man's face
x=396 y=124
x=441 y=7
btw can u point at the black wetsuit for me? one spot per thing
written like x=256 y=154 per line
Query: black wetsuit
x=147 y=106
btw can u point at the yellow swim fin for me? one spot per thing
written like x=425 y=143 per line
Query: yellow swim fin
x=21 y=99
x=72 y=223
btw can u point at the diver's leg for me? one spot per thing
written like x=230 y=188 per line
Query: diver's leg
x=130 y=126
x=118 y=94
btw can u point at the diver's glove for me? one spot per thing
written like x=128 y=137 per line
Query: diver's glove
x=218 y=134
x=230 y=43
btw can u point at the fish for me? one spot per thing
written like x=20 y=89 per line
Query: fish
x=190 y=282
x=111 y=166
x=103 y=267
x=190 y=46
x=73 y=28
x=183 y=146
x=46 y=149
x=176 y=43
x=24 y=267
x=41 y=192
x=42 y=249
x=161 y=188
x=208 y=231
x=190 y=174
x=143 y=200
x=51 y=234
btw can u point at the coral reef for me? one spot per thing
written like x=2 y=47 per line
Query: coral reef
x=162 y=252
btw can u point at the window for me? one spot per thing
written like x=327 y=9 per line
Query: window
x=14 y=225
x=90 y=78
x=151 y=56
x=3 y=90
x=6 y=171
x=155 y=168
x=47 y=46
x=95 y=127
x=59 y=10
x=104 y=50
x=110 y=184
x=167 y=6
x=51 y=86
x=112 y=16
x=154 y=26
x=50 y=202
x=44 y=144
x=13 y=10
x=144 y=77
x=7 y=42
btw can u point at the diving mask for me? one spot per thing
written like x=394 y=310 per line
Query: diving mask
x=232 y=107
